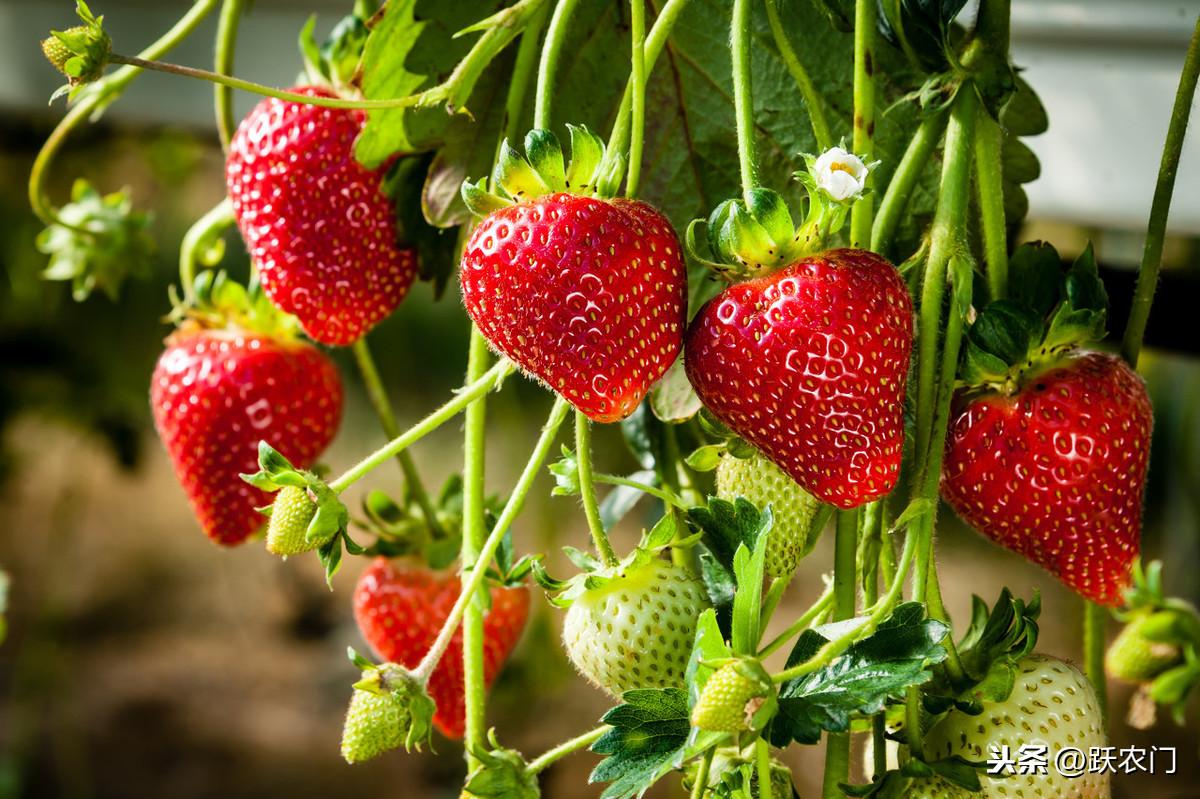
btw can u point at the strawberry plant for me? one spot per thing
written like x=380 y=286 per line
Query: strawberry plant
x=787 y=277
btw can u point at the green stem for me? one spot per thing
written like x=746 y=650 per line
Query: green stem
x=878 y=746
x=990 y=192
x=949 y=222
x=802 y=623
x=875 y=614
x=508 y=514
x=864 y=113
x=95 y=97
x=637 y=77
x=904 y=180
x=587 y=489
x=1160 y=207
x=556 y=36
x=474 y=533
x=462 y=399
x=655 y=41
x=700 y=786
x=1095 y=621
x=552 y=756
x=845 y=593
x=763 y=757
x=382 y=405
x=226 y=45
x=914 y=736
x=812 y=98
x=220 y=216
x=743 y=98
x=526 y=60
x=670 y=498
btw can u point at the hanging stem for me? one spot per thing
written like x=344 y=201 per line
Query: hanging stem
x=904 y=180
x=990 y=192
x=508 y=514
x=812 y=98
x=382 y=405
x=587 y=489
x=864 y=113
x=801 y=623
x=226 y=44
x=1160 y=207
x=219 y=217
x=763 y=757
x=700 y=786
x=1095 y=621
x=845 y=593
x=461 y=401
x=552 y=756
x=637 y=78
x=743 y=99
x=96 y=96
x=556 y=36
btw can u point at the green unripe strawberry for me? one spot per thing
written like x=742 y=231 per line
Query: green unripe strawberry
x=635 y=628
x=763 y=483
x=1134 y=657
x=389 y=709
x=936 y=787
x=287 y=530
x=1052 y=704
x=739 y=696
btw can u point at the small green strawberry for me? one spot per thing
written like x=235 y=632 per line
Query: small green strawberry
x=80 y=53
x=389 y=709
x=1135 y=656
x=935 y=787
x=287 y=530
x=763 y=483
x=1052 y=704
x=739 y=696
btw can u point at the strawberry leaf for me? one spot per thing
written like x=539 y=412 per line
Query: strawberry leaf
x=649 y=730
x=898 y=655
x=728 y=525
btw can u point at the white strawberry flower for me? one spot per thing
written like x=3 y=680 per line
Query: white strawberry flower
x=840 y=175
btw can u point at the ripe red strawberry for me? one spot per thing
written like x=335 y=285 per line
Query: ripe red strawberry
x=316 y=222
x=587 y=295
x=400 y=608
x=1055 y=470
x=809 y=365
x=216 y=394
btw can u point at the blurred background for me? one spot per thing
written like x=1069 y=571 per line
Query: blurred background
x=142 y=661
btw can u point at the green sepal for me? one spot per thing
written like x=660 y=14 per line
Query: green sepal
x=545 y=156
x=335 y=62
x=706 y=458
x=897 y=783
x=516 y=176
x=749 y=571
x=587 y=151
x=274 y=471
x=499 y=773
x=672 y=398
x=1002 y=337
x=405 y=702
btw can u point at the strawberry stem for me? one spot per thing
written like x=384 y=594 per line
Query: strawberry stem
x=812 y=98
x=637 y=79
x=763 y=757
x=512 y=508
x=226 y=44
x=990 y=193
x=845 y=594
x=743 y=99
x=1095 y=621
x=904 y=180
x=587 y=489
x=221 y=216
x=552 y=756
x=462 y=400
x=670 y=498
x=1160 y=207
x=381 y=403
x=556 y=36
x=98 y=95
x=864 y=113
x=824 y=601
x=700 y=786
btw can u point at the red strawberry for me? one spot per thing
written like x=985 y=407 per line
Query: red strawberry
x=400 y=608
x=216 y=394
x=809 y=365
x=1055 y=471
x=317 y=222
x=587 y=295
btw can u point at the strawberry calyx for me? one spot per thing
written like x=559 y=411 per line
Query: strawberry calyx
x=591 y=171
x=80 y=53
x=1051 y=314
x=219 y=302
x=334 y=63
x=499 y=773
x=756 y=234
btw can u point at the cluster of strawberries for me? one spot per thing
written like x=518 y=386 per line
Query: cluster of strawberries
x=808 y=363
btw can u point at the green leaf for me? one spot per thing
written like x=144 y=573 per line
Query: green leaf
x=648 y=730
x=709 y=646
x=721 y=587
x=1024 y=115
x=748 y=570
x=566 y=474
x=728 y=525
x=385 y=76
x=706 y=458
x=1036 y=272
x=896 y=656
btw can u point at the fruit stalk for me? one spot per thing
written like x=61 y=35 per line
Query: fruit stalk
x=845 y=585
x=587 y=489
x=98 y=95
x=226 y=44
x=637 y=79
x=762 y=754
x=700 y=786
x=904 y=179
x=864 y=113
x=381 y=403
x=552 y=756
x=1095 y=620
x=743 y=98
x=512 y=508
x=990 y=185
x=221 y=216
x=801 y=623
x=556 y=36
x=812 y=98
x=1160 y=207
x=462 y=399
